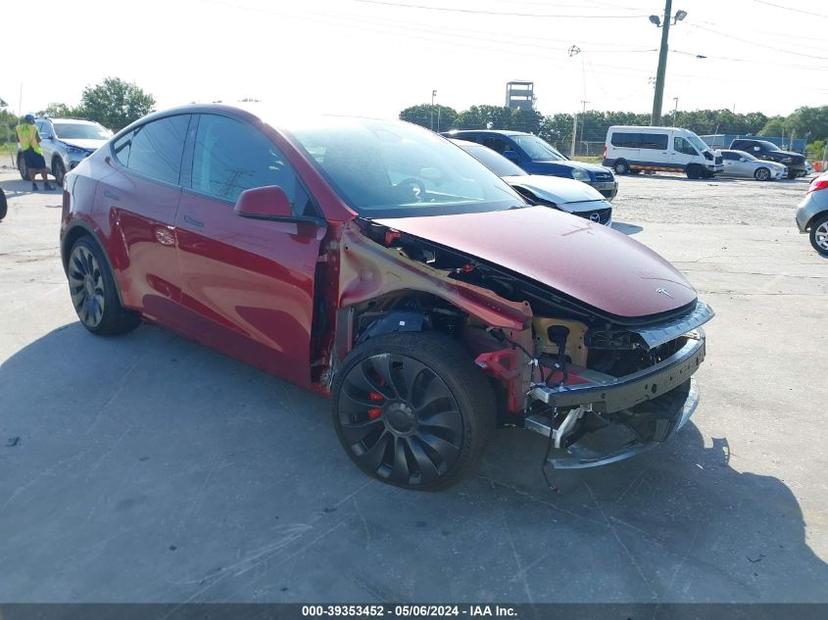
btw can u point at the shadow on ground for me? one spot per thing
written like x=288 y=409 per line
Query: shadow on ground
x=146 y=468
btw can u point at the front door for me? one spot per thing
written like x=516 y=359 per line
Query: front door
x=248 y=284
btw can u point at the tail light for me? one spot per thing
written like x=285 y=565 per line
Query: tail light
x=818 y=184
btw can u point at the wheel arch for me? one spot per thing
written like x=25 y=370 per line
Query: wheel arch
x=76 y=231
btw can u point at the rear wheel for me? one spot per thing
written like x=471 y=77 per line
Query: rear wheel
x=819 y=234
x=58 y=170
x=412 y=409
x=93 y=291
x=621 y=167
x=761 y=174
x=4 y=207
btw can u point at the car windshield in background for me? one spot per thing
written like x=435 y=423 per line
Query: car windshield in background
x=81 y=131
x=393 y=169
x=537 y=149
x=498 y=164
x=697 y=142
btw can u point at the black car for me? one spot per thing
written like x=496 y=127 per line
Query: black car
x=762 y=149
x=536 y=156
x=3 y=206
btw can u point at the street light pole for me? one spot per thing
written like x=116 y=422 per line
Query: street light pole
x=433 y=95
x=662 y=63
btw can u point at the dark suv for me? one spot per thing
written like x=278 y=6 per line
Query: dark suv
x=762 y=149
x=536 y=156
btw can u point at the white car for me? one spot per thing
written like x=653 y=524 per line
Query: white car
x=745 y=165
x=66 y=142
x=567 y=195
x=631 y=149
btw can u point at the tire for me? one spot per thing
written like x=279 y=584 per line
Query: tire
x=58 y=170
x=694 y=171
x=819 y=234
x=22 y=168
x=412 y=409
x=4 y=206
x=93 y=292
x=621 y=167
x=762 y=174
x=792 y=175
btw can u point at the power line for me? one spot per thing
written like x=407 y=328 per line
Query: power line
x=498 y=13
x=792 y=10
x=762 y=45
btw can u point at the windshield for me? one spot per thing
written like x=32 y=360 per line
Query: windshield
x=495 y=162
x=697 y=142
x=394 y=169
x=537 y=149
x=81 y=131
x=768 y=145
x=746 y=156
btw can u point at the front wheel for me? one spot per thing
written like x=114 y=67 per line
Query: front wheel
x=4 y=206
x=819 y=234
x=58 y=170
x=761 y=174
x=412 y=409
x=694 y=171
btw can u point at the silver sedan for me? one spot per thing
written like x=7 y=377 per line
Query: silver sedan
x=745 y=165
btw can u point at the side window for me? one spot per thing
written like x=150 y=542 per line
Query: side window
x=625 y=139
x=655 y=141
x=497 y=144
x=154 y=149
x=683 y=146
x=231 y=156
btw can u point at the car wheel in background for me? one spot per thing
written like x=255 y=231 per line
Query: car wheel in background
x=792 y=174
x=21 y=167
x=694 y=171
x=762 y=174
x=620 y=167
x=819 y=234
x=93 y=291
x=4 y=206
x=58 y=170
x=412 y=409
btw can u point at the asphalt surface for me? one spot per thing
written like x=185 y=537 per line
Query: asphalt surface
x=146 y=468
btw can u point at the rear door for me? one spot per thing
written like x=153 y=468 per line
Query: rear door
x=141 y=195
x=247 y=284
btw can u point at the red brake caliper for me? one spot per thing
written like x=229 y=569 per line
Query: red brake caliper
x=375 y=412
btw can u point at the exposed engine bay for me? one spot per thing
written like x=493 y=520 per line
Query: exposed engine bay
x=600 y=387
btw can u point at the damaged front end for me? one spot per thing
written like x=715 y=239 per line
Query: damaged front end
x=601 y=387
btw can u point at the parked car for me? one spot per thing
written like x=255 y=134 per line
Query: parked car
x=631 y=149
x=377 y=263
x=557 y=192
x=745 y=165
x=4 y=206
x=65 y=142
x=768 y=151
x=536 y=156
x=812 y=214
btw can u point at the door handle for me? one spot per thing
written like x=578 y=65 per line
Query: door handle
x=110 y=195
x=193 y=222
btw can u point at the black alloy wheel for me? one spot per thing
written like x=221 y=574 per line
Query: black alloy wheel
x=412 y=409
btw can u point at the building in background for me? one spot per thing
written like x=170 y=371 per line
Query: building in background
x=520 y=95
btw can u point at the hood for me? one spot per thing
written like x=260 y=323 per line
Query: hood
x=88 y=145
x=594 y=264
x=555 y=189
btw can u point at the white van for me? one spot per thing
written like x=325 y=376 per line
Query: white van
x=630 y=149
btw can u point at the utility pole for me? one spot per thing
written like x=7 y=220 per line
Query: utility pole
x=575 y=128
x=433 y=95
x=675 y=109
x=662 y=63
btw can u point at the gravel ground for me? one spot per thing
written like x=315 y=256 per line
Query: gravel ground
x=149 y=469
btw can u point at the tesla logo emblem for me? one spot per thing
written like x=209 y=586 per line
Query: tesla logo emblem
x=663 y=291
x=594 y=216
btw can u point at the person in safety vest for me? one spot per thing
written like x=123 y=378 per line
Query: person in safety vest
x=29 y=140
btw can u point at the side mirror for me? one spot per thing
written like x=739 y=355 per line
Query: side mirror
x=264 y=203
x=511 y=156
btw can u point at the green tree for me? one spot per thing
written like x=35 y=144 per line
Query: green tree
x=775 y=126
x=443 y=116
x=808 y=122
x=115 y=103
